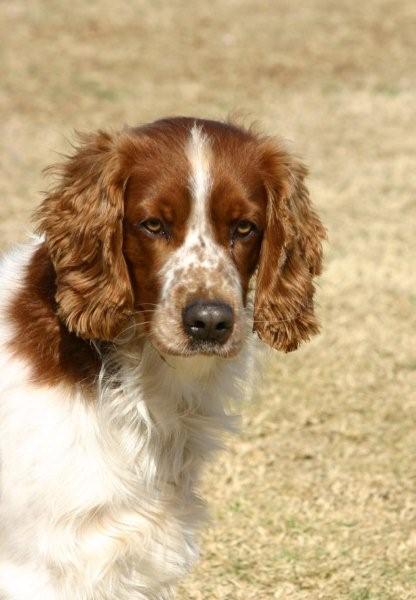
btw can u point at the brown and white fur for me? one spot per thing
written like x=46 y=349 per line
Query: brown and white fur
x=108 y=405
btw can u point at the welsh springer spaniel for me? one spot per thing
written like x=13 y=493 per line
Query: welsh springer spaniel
x=126 y=333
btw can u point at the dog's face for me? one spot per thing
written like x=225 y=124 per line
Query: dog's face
x=194 y=226
x=160 y=229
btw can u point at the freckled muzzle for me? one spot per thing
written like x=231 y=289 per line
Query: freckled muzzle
x=200 y=311
x=209 y=322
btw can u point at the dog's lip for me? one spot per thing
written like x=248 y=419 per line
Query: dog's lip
x=227 y=350
x=200 y=349
x=212 y=350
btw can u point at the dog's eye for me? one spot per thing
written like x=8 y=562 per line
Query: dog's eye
x=153 y=226
x=244 y=229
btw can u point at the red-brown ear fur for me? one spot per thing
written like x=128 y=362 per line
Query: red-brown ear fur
x=291 y=255
x=82 y=220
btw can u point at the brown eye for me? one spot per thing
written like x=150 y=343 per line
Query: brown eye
x=153 y=226
x=244 y=229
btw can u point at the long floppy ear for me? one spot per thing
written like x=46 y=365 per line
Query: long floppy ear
x=290 y=257
x=82 y=221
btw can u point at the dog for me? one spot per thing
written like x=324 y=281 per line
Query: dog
x=127 y=327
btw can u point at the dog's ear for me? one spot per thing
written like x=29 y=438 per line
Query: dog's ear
x=291 y=254
x=81 y=219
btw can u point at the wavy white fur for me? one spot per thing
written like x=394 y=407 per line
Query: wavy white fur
x=98 y=497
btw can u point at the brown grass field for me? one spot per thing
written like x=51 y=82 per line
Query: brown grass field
x=316 y=498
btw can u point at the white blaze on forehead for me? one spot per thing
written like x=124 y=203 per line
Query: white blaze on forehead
x=199 y=156
x=200 y=249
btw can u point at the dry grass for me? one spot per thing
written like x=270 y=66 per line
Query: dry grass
x=316 y=498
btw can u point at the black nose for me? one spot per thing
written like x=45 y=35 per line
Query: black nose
x=208 y=321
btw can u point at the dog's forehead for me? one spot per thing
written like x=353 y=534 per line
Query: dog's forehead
x=199 y=256
x=174 y=146
x=194 y=174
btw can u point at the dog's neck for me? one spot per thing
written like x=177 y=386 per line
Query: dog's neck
x=173 y=411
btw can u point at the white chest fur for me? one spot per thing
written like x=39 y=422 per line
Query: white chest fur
x=98 y=494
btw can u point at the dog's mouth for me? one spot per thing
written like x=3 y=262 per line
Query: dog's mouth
x=200 y=348
x=213 y=349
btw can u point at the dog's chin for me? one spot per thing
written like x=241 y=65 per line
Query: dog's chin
x=196 y=363
x=212 y=349
x=195 y=349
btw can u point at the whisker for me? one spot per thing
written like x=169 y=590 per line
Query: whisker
x=288 y=320
x=148 y=304
x=272 y=321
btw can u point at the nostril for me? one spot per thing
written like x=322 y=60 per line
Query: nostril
x=208 y=321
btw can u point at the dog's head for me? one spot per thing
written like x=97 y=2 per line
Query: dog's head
x=159 y=230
